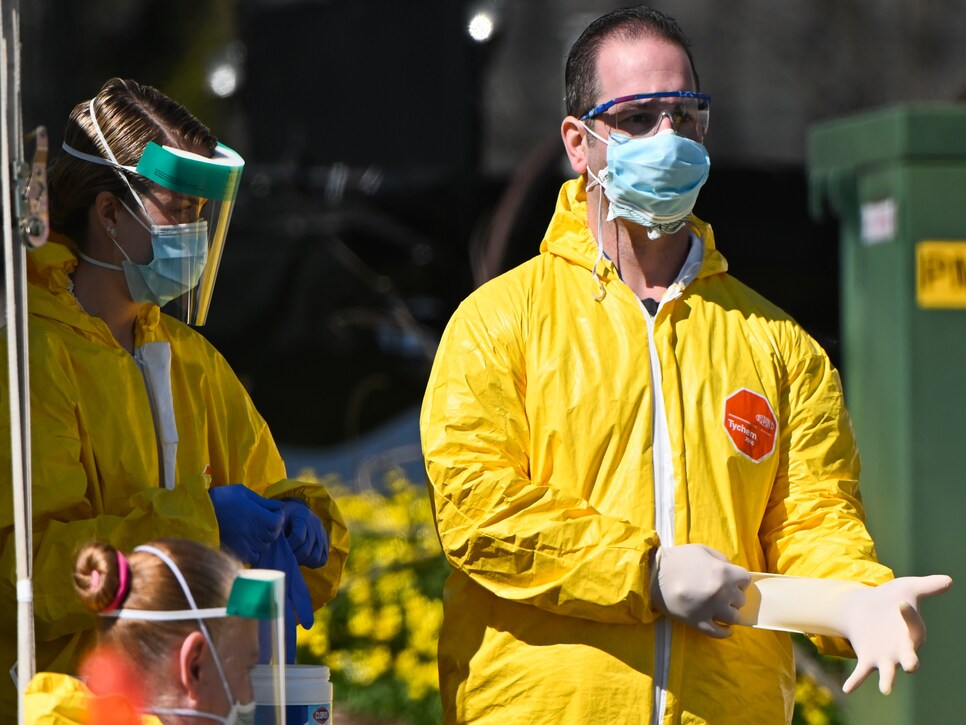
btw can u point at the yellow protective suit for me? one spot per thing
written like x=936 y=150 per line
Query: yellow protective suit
x=56 y=699
x=96 y=461
x=538 y=429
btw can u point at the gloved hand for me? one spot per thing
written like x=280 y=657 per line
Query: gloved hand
x=885 y=628
x=279 y=556
x=697 y=584
x=305 y=534
x=247 y=523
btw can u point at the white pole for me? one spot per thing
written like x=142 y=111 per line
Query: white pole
x=15 y=283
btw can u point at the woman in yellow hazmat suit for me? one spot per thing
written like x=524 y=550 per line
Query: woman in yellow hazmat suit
x=140 y=428
x=167 y=648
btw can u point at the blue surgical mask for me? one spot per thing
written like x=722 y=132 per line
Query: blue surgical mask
x=653 y=181
x=179 y=253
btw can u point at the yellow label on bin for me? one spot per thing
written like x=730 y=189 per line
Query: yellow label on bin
x=941 y=274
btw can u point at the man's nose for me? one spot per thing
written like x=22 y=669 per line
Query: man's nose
x=665 y=123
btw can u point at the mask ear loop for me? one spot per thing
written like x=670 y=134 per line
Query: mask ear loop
x=601 y=291
x=114 y=162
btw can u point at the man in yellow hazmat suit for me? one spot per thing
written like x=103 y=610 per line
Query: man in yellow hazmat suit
x=617 y=432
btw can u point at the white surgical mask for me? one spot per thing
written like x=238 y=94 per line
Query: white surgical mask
x=240 y=714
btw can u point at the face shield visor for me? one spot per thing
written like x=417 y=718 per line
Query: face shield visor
x=260 y=594
x=199 y=209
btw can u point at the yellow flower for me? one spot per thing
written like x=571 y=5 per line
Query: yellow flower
x=424 y=617
x=389 y=621
x=316 y=640
x=420 y=675
x=812 y=701
x=365 y=666
x=361 y=622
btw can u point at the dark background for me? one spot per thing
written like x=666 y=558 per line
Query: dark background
x=394 y=163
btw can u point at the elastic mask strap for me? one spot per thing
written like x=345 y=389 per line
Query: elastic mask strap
x=191 y=602
x=94 y=159
x=106 y=265
x=100 y=134
x=98 y=263
x=595 y=135
x=186 y=712
x=111 y=159
x=595 y=180
x=600 y=246
x=137 y=218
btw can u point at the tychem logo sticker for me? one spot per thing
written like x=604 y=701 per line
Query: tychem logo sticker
x=750 y=423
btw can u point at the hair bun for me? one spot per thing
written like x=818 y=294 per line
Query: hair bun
x=102 y=577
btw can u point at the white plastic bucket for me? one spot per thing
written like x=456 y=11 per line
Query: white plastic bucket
x=308 y=694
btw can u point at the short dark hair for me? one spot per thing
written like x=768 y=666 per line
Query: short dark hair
x=580 y=77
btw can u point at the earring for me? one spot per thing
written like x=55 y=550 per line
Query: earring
x=111 y=231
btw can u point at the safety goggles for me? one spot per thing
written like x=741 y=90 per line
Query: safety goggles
x=640 y=114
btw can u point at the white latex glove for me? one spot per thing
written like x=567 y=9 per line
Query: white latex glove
x=698 y=585
x=885 y=628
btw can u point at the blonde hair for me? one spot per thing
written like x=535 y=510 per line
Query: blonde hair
x=129 y=115
x=150 y=584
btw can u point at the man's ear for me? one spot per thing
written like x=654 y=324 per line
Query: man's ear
x=574 y=138
x=191 y=660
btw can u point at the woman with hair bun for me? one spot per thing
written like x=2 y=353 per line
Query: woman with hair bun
x=194 y=667
x=140 y=429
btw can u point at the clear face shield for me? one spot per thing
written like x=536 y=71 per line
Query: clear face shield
x=260 y=594
x=189 y=238
x=186 y=209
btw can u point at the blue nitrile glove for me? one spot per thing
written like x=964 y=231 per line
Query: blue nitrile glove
x=279 y=557
x=305 y=534
x=247 y=523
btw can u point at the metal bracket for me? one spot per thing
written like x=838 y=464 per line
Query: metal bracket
x=32 y=205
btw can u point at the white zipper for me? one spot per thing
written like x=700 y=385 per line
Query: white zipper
x=663 y=512
x=663 y=466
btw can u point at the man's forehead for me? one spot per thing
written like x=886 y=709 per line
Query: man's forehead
x=643 y=64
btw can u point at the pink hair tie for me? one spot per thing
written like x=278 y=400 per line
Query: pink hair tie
x=95 y=580
x=124 y=576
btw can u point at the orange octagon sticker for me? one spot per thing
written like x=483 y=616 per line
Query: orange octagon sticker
x=750 y=423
